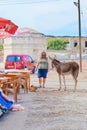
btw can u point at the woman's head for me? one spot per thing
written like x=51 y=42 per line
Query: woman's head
x=43 y=55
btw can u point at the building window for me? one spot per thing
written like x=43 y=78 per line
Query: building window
x=75 y=44
x=85 y=43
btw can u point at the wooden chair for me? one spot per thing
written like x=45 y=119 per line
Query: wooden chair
x=12 y=87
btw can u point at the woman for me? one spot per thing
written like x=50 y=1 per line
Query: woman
x=8 y=104
x=42 y=69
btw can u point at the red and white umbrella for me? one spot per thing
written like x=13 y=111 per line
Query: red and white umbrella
x=4 y=34
x=7 y=26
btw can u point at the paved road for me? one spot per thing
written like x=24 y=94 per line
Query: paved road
x=49 y=109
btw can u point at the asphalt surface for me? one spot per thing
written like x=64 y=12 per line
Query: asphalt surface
x=50 y=109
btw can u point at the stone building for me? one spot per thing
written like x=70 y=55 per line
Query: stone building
x=32 y=44
x=72 y=50
x=73 y=42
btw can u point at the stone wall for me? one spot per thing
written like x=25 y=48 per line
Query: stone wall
x=32 y=45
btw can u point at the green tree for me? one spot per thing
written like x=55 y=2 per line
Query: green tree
x=1 y=46
x=57 y=44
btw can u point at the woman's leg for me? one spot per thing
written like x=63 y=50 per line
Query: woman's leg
x=6 y=97
x=40 y=82
x=5 y=101
x=44 y=80
x=16 y=107
x=44 y=77
x=40 y=77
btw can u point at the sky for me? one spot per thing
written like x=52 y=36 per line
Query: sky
x=50 y=17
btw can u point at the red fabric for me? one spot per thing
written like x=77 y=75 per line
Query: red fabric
x=9 y=26
x=3 y=22
x=4 y=34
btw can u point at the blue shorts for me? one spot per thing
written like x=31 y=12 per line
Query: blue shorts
x=42 y=73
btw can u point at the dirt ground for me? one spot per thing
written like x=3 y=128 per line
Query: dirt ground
x=50 y=109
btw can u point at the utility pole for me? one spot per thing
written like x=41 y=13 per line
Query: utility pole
x=79 y=26
x=80 y=47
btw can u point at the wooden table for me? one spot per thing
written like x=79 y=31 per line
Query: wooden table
x=3 y=80
x=15 y=77
x=9 y=79
x=24 y=74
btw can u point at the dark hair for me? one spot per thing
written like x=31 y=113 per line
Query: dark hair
x=43 y=54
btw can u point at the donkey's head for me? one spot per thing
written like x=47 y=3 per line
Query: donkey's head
x=55 y=62
x=52 y=61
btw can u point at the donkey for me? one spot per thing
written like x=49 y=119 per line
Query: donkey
x=64 y=68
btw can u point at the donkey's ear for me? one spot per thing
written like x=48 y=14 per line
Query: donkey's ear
x=50 y=58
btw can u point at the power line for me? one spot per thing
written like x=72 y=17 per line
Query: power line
x=7 y=2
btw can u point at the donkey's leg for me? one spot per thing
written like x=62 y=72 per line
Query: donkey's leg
x=75 y=85
x=59 y=83
x=64 y=83
x=75 y=79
